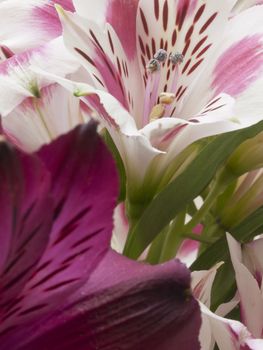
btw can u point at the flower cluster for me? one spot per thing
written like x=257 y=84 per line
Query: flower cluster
x=131 y=182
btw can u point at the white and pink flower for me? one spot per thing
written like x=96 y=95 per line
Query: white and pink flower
x=153 y=114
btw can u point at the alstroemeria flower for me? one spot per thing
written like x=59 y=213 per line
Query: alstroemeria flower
x=166 y=73
x=226 y=333
x=36 y=110
x=61 y=285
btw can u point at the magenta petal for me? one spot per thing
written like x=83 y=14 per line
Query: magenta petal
x=125 y=305
x=25 y=218
x=84 y=187
x=121 y=14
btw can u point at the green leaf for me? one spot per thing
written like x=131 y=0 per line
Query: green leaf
x=187 y=186
x=119 y=163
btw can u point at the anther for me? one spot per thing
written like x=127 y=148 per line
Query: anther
x=176 y=58
x=166 y=98
x=157 y=112
x=153 y=65
x=160 y=55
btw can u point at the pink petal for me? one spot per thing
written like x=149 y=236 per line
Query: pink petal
x=238 y=66
x=26 y=216
x=84 y=189
x=16 y=30
x=99 y=49
x=47 y=17
x=189 y=248
x=121 y=14
x=125 y=305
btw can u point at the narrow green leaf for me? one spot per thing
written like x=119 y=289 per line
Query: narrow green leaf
x=119 y=163
x=187 y=186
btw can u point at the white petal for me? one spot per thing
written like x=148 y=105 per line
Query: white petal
x=236 y=68
x=253 y=258
x=188 y=27
x=135 y=149
x=202 y=282
x=18 y=81
x=251 y=302
x=99 y=50
x=37 y=121
x=21 y=27
x=228 y=334
x=121 y=228
x=241 y=5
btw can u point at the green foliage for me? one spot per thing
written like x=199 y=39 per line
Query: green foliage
x=175 y=197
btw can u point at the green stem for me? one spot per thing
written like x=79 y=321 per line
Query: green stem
x=156 y=247
x=173 y=238
x=198 y=238
x=208 y=203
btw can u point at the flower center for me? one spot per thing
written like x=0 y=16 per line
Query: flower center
x=158 y=105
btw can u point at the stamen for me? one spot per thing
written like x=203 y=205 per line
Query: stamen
x=159 y=109
x=176 y=58
x=153 y=81
x=147 y=99
x=153 y=65
x=160 y=55
x=157 y=112
x=151 y=109
x=166 y=98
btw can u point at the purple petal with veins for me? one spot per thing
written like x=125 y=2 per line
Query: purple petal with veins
x=52 y=262
x=78 y=293
x=25 y=216
x=125 y=305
